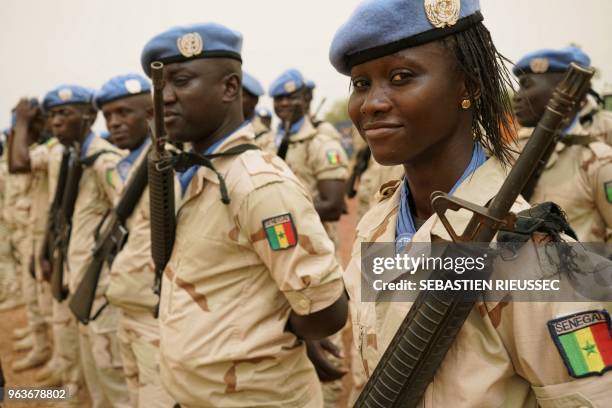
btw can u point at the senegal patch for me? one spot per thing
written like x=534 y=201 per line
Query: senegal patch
x=280 y=232
x=110 y=180
x=333 y=157
x=608 y=190
x=584 y=342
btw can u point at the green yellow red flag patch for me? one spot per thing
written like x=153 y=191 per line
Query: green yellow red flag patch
x=333 y=157
x=608 y=190
x=280 y=232
x=584 y=342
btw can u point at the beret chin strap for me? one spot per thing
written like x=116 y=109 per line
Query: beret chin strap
x=369 y=54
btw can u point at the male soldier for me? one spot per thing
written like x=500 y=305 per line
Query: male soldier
x=595 y=119
x=321 y=125
x=32 y=127
x=72 y=114
x=578 y=174
x=251 y=92
x=125 y=101
x=319 y=162
x=265 y=116
x=247 y=279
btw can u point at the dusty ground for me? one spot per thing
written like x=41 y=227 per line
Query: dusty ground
x=13 y=318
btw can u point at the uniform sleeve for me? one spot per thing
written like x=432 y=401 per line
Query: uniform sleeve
x=287 y=234
x=603 y=199
x=39 y=158
x=266 y=142
x=328 y=159
x=562 y=348
x=108 y=177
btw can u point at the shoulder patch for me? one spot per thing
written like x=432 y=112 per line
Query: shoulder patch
x=109 y=177
x=608 y=190
x=584 y=342
x=333 y=156
x=601 y=150
x=280 y=232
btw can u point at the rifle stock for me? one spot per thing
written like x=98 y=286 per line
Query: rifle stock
x=361 y=165
x=161 y=186
x=420 y=344
x=71 y=189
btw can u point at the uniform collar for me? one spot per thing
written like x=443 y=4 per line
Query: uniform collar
x=244 y=134
x=86 y=143
x=479 y=189
x=304 y=131
x=125 y=164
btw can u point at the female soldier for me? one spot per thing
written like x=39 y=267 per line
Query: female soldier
x=429 y=92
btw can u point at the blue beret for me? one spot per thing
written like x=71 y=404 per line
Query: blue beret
x=252 y=85
x=287 y=83
x=121 y=86
x=263 y=112
x=67 y=95
x=549 y=60
x=310 y=84
x=383 y=27
x=179 y=44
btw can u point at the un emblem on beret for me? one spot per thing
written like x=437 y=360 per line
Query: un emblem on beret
x=65 y=94
x=290 y=86
x=442 y=13
x=538 y=65
x=190 y=44
x=133 y=86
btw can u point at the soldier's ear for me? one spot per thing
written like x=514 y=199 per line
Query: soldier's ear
x=232 y=87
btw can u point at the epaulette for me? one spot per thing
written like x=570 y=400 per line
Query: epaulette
x=388 y=188
x=601 y=150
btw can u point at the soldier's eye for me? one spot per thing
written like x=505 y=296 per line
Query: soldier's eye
x=359 y=83
x=400 y=77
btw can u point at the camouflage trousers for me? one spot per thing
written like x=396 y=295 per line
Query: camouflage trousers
x=10 y=286
x=332 y=391
x=101 y=361
x=139 y=345
x=66 y=347
x=21 y=241
x=43 y=288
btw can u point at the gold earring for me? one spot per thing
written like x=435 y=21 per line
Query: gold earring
x=465 y=104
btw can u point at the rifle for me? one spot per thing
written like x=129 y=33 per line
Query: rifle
x=284 y=146
x=313 y=118
x=108 y=244
x=64 y=225
x=161 y=186
x=418 y=347
x=361 y=165
x=48 y=248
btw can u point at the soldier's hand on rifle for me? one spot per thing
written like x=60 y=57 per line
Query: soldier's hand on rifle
x=326 y=370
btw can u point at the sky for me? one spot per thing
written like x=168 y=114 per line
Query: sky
x=46 y=43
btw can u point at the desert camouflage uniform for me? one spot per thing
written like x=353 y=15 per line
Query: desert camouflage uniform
x=308 y=156
x=578 y=177
x=99 y=347
x=66 y=359
x=10 y=286
x=130 y=290
x=503 y=354
x=227 y=295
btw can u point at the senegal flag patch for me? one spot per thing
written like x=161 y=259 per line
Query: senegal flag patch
x=333 y=157
x=584 y=342
x=608 y=190
x=280 y=232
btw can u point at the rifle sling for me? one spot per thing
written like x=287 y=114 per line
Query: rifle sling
x=185 y=160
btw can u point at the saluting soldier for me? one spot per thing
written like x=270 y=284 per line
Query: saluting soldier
x=252 y=272
x=125 y=102
x=428 y=92
x=32 y=126
x=251 y=92
x=578 y=173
